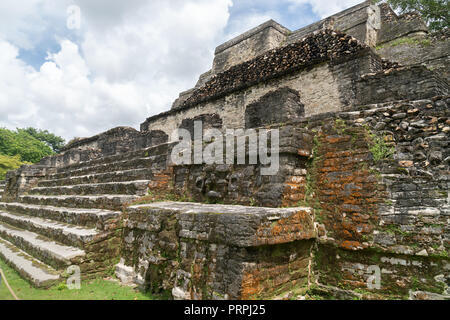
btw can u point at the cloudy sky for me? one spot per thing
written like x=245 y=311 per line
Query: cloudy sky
x=127 y=60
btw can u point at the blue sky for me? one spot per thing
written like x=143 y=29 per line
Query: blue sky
x=288 y=14
x=37 y=55
x=127 y=61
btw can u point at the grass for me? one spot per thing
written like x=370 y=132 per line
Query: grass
x=379 y=148
x=98 y=289
x=152 y=197
x=407 y=41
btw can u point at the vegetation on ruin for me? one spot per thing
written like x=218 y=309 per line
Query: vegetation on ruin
x=406 y=41
x=167 y=194
x=310 y=199
x=378 y=147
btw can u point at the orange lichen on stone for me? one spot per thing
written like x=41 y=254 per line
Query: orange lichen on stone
x=406 y=164
x=294 y=191
x=262 y=281
x=160 y=180
x=296 y=227
x=250 y=286
x=346 y=191
x=337 y=139
x=351 y=245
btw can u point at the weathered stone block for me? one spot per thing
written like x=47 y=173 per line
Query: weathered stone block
x=278 y=106
x=204 y=251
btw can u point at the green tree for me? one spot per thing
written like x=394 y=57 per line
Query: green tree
x=434 y=12
x=21 y=143
x=8 y=163
x=53 y=141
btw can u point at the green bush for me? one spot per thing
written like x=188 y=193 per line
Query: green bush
x=8 y=163
x=20 y=142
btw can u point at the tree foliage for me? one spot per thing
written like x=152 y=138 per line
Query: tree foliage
x=8 y=163
x=53 y=141
x=434 y=12
x=21 y=143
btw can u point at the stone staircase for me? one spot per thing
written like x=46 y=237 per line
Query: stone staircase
x=71 y=216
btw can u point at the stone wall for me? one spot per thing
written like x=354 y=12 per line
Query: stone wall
x=405 y=40
x=380 y=193
x=114 y=141
x=415 y=82
x=395 y=27
x=330 y=72
x=321 y=47
x=288 y=107
x=431 y=50
x=231 y=109
x=235 y=183
x=249 y=45
x=361 y=21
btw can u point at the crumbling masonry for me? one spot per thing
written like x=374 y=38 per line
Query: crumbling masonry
x=360 y=207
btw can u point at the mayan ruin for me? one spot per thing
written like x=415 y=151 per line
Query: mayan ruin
x=304 y=162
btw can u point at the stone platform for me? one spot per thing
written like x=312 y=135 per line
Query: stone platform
x=205 y=251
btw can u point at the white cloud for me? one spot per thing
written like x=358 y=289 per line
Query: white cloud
x=60 y=96
x=25 y=23
x=131 y=62
x=164 y=39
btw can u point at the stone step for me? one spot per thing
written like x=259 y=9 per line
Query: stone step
x=39 y=274
x=235 y=225
x=46 y=250
x=139 y=187
x=115 y=176
x=93 y=218
x=154 y=152
x=61 y=232
x=137 y=163
x=107 y=201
